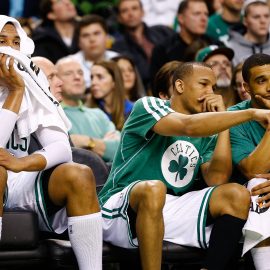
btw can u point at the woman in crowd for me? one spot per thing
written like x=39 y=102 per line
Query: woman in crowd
x=134 y=88
x=237 y=83
x=108 y=92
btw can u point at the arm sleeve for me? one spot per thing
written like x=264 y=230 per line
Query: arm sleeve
x=56 y=148
x=8 y=120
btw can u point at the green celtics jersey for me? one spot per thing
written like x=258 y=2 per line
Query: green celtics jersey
x=145 y=155
x=217 y=28
x=246 y=136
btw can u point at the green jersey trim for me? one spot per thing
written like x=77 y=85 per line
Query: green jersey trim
x=202 y=216
x=41 y=206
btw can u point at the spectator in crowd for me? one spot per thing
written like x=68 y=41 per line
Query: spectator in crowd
x=250 y=152
x=256 y=38
x=91 y=128
x=163 y=82
x=92 y=36
x=219 y=58
x=137 y=39
x=146 y=202
x=192 y=17
x=134 y=88
x=54 y=38
x=79 y=155
x=237 y=83
x=222 y=21
x=62 y=193
x=108 y=92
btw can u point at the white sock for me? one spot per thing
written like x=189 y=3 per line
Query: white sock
x=261 y=258
x=0 y=228
x=85 y=234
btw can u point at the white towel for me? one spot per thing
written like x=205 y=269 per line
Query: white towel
x=257 y=226
x=39 y=107
x=27 y=45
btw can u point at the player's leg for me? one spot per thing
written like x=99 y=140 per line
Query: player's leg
x=73 y=186
x=229 y=206
x=147 y=199
x=3 y=183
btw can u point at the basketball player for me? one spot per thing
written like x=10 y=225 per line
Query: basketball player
x=62 y=193
x=148 y=197
x=250 y=151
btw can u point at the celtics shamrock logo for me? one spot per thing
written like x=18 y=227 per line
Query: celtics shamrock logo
x=178 y=167
x=178 y=163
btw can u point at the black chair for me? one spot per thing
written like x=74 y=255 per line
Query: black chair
x=20 y=244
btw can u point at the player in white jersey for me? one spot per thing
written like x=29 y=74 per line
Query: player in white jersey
x=62 y=193
x=148 y=196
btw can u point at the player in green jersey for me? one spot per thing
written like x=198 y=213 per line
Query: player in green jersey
x=148 y=196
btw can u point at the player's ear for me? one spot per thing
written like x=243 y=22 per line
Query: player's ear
x=179 y=86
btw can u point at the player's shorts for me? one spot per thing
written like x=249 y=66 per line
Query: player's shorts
x=184 y=219
x=29 y=191
x=257 y=226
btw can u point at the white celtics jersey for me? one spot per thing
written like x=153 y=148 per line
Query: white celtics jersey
x=145 y=155
x=18 y=146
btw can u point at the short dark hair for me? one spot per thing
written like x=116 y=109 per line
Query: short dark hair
x=259 y=3
x=186 y=69
x=258 y=59
x=88 y=20
x=121 y=1
x=183 y=6
x=91 y=19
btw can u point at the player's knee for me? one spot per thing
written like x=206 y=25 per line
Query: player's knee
x=238 y=197
x=80 y=178
x=153 y=195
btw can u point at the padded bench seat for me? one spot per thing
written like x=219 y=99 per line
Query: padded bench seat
x=22 y=244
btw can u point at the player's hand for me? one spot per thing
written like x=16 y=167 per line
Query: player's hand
x=212 y=103
x=8 y=76
x=263 y=188
x=263 y=117
x=264 y=101
x=9 y=161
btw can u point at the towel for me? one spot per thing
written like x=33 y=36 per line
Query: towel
x=257 y=226
x=27 y=44
x=39 y=107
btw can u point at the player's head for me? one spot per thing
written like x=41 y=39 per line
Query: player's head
x=192 y=80
x=256 y=76
x=13 y=35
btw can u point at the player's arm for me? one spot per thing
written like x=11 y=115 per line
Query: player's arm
x=218 y=170
x=206 y=124
x=12 y=81
x=56 y=150
x=259 y=160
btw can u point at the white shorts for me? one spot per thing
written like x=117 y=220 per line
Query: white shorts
x=257 y=226
x=184 y=218
x=25 y=192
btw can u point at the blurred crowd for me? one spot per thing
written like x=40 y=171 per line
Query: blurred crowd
x=108 y=54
